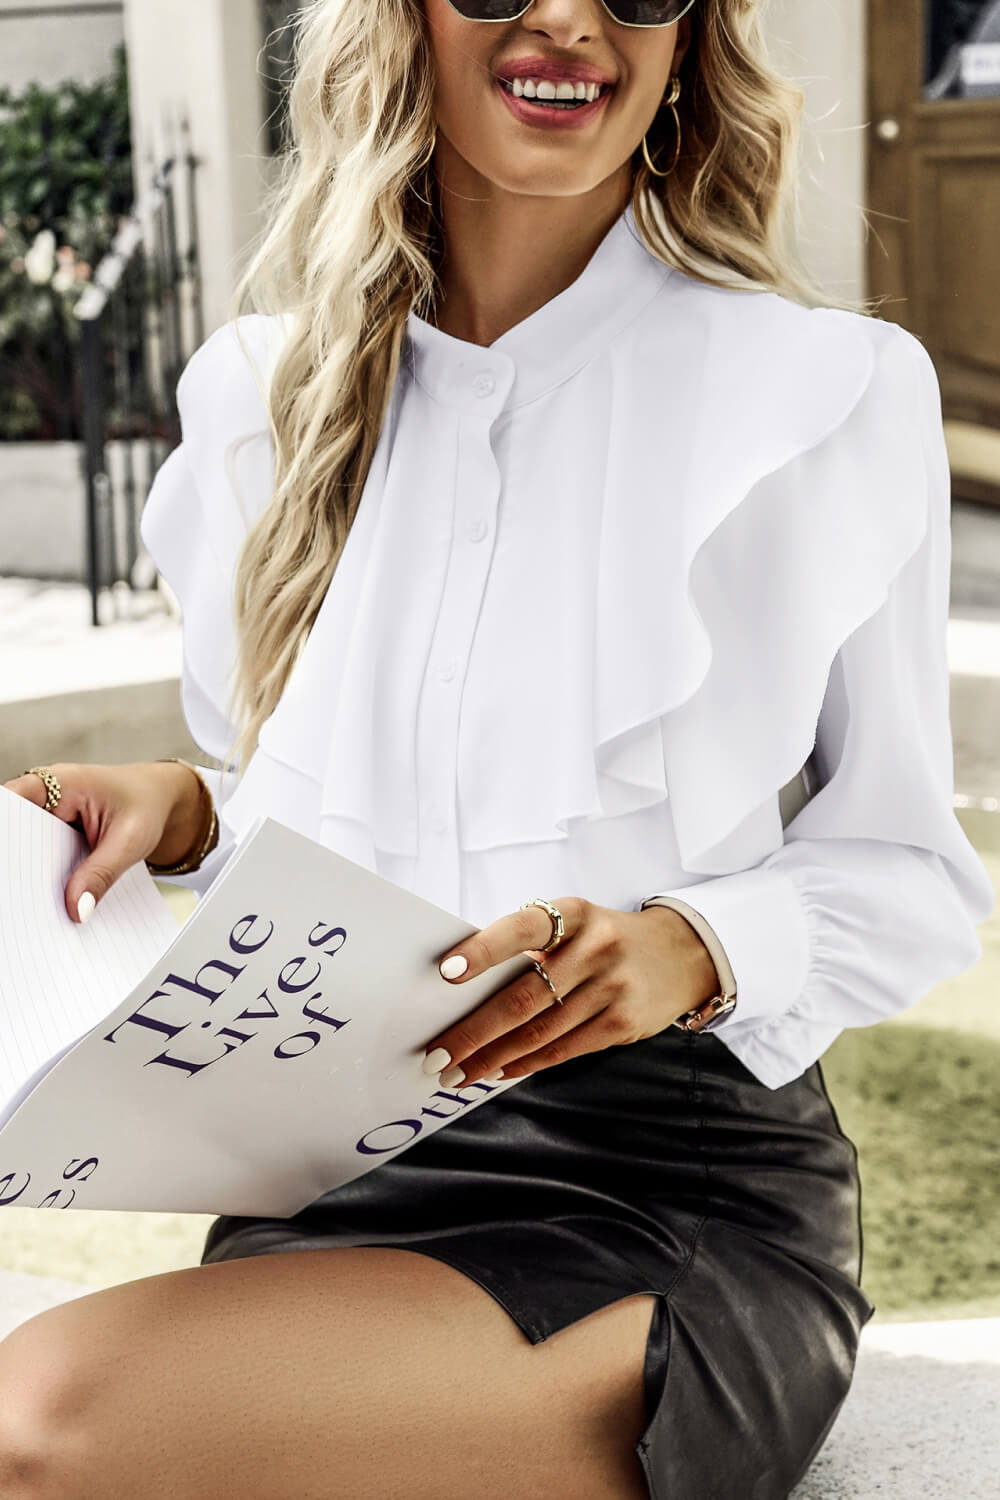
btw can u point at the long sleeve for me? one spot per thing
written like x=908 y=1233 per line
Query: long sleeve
x=202 y=502
x=221 y=784
x=194 y=575
x=875 y=896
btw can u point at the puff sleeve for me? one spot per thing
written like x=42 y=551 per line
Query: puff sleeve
x=875 y=896
x=204 y=498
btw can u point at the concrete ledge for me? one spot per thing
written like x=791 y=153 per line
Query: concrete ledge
x=922 y=1417
x=130 y=721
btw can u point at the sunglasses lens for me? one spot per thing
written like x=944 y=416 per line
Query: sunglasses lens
x=628 y=12
x=647 y=12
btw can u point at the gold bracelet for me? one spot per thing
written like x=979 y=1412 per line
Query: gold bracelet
x=205 y=846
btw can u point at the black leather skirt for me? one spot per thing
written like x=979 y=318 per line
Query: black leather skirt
x=663 y=1166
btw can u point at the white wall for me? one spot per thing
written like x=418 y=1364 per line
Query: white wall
x=45 y=41
x=822 y=45
x=199 y=58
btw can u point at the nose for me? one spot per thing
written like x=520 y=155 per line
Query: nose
x=565 y=21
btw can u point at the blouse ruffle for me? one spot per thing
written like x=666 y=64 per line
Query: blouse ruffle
x=747 y=483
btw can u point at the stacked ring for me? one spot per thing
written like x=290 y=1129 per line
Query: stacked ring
x=53 y=790
x=555 y=938
x=556 y=918
x=548 y=981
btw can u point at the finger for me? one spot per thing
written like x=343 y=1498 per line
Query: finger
x=552 y=1023
x=600 y=1030
x=116 y=851
x=31 y=788
x=511 y=934
x=517 y=1004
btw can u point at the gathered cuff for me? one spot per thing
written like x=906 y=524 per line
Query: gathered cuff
x=758 y=918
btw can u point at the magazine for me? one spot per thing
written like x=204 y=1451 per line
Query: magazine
x=266 y=1051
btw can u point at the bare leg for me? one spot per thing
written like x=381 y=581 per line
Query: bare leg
x=319 y=1375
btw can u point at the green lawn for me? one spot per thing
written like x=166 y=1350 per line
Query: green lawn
x=918 y=1094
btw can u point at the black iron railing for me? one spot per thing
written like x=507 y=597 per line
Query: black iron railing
x=140 y=320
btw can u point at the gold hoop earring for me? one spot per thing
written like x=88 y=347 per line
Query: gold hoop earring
x=671 y=98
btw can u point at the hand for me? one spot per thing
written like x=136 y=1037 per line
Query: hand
x=127 y=814
x=623 y=976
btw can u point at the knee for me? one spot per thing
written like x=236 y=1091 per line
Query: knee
x=46 y=1391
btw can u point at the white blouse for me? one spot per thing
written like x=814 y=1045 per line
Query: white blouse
x=612 y=580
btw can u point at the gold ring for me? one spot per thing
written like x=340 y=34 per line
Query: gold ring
x=556 y=918
x=53 y=791
x=548 y=981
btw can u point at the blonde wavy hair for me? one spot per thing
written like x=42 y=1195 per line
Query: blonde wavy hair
x=353 y=242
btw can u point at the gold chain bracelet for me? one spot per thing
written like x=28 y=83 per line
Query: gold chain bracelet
x=206 y=844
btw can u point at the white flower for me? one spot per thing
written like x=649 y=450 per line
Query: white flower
x=40 y=260
x=64 y=280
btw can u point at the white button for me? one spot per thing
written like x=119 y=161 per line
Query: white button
x=478 y=530
x=448 y=671
x=439 y=823
x=484 y=384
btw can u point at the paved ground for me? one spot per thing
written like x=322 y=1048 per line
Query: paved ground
x=48 y=646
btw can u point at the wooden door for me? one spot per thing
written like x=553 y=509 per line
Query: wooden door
x=934 y=207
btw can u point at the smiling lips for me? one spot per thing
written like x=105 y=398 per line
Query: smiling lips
x=568 y=102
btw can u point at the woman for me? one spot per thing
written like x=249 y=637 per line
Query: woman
x=628 y=524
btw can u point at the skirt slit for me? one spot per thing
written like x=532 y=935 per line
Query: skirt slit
x=662 y=1167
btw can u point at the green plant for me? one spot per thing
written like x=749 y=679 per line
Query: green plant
x=65 y=183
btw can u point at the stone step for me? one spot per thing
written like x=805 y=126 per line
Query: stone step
x=922 y=1417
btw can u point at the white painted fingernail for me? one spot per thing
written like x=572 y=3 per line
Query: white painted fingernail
x=436 y=1060
x=452 y=967
x=492 y=1077
x=453 y=1076
x=85 y=907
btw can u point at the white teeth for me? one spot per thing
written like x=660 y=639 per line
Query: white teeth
x=543 y=88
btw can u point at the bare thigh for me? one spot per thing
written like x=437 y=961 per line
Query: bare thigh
x=319 y=1375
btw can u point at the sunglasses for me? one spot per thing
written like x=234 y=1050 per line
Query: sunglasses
x=625 y=12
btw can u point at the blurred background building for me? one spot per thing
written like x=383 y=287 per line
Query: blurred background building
x=49 y=40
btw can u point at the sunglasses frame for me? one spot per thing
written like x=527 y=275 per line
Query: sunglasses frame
x=632 y=25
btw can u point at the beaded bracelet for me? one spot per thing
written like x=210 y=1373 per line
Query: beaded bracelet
x=193 y=860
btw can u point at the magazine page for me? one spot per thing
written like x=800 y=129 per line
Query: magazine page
x=58 y=978
x=273 y=1052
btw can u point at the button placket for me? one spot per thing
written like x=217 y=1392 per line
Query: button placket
x=477 y=483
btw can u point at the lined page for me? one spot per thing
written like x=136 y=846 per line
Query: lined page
x=58 y=979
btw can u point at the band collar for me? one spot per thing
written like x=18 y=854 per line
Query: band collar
x=552 y=343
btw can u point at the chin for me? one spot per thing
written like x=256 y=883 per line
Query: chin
x=549 y=181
